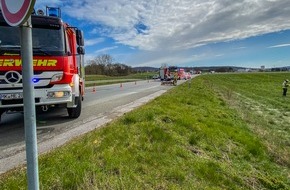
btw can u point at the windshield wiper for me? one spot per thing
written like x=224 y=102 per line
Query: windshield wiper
x=17 y=47
x=9 y=49
x=10 y=46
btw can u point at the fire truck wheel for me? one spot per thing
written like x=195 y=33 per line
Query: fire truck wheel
x=75 y=112
x=1 y=112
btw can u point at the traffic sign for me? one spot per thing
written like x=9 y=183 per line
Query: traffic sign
x=16 y=12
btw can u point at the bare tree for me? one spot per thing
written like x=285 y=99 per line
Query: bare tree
x=103 y=65
x=104 y=59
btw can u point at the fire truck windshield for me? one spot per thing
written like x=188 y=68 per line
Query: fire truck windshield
x=45 y=41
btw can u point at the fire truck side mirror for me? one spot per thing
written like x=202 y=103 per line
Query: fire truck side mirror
x=80 y=37
x=81 y=50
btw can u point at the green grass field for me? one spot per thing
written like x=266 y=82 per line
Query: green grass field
x=220 y=131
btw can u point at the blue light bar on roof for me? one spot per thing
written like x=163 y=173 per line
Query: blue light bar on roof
x=53 y=11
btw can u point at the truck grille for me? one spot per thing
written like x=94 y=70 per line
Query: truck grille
x=4 y=85
x=2 y=81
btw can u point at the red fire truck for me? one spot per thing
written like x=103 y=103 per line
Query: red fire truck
x=58 y=62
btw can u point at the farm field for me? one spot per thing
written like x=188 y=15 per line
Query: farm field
x=217 y=131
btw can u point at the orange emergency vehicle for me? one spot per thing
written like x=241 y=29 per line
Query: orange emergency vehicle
x=58 y=62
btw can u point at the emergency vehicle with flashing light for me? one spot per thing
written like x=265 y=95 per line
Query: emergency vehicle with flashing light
x=168 y=75
x=58 y=64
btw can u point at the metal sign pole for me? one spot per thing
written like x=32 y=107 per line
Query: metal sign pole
x=29 y=105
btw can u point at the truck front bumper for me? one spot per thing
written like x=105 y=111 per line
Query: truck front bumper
x=58 y=94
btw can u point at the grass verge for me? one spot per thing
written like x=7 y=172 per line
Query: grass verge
x=193 y=137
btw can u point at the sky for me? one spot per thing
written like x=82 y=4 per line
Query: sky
x=183 y=33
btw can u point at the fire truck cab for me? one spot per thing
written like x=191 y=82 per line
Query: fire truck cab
x=58 y=63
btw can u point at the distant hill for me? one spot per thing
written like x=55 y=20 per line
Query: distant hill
x=286 y=68
x=217 y=68
x=213 y=68
x=187 y=69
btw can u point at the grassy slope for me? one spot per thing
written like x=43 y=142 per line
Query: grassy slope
x=258 y=97
x=194 y=137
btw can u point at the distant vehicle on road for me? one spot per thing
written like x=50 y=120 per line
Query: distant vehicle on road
x=156 y=77
x=168 y=75
x=187 y=76
x=181 y=74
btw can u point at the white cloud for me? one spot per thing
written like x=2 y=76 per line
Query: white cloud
x=179 y=24
x=41 y=4
x=91 y=42
x=280 y=45
x=182 y=24
x=164 y=29
x=106 y=49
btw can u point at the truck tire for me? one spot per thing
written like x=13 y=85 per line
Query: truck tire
x=75 y=112
x=1 y=112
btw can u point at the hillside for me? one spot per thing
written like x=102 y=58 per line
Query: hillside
x=224 y=131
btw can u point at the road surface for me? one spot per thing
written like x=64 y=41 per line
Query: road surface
x=101 y=105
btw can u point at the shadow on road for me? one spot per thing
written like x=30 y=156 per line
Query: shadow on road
x=12 y=125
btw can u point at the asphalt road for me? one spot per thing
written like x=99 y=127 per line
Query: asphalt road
x=101 y=105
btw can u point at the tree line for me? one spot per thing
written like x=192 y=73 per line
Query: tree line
x=104 y=65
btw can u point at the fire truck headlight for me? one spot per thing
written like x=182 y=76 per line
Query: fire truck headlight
x=56 y=77
x=58 y=94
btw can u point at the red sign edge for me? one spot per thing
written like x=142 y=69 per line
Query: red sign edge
x=17 y=19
